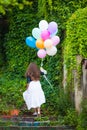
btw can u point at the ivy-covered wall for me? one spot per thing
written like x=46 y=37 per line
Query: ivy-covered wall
x=75 y=42
x=59 y=10
x=18 y=57
x=18 y=54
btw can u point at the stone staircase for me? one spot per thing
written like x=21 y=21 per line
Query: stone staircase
x=28 y=123
x=23 y=121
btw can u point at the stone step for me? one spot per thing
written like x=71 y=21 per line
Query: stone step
x=36 y=128
x=35 y=123
x=23 y=121
x=17 y=118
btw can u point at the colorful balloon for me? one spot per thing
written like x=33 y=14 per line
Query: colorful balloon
x=44 y=39
x=40 y=43
x=45 y=34
x=31 y=42
x=53 y=34
x=52 y=27
x=48 y=43
x=41 y=53
x=43 y=25
x=55 y=40
x=36 y=32
x=51 y=51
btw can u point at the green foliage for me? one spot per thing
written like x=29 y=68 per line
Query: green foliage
x=12 y=88
x=71 y=117
x=1 y=59
x=75 y=42
x=6 y=123
x=8 y=4
x=41 y=118
x=57 y=101
x=63 y=102
x=17 y=52
x=82 y=120
x=3 y=30
x=11 y=92
x=46 y=6
x=19 y=55
x=59 y=10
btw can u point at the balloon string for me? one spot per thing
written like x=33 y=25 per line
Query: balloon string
x=42 y=62
x=45 y=75
x=47 y=81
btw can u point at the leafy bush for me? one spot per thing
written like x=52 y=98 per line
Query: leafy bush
x=11 y=93
x=82 y=119
x=71 y=117
x=63 y=102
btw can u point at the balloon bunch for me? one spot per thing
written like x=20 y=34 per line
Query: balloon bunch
x=44 y=39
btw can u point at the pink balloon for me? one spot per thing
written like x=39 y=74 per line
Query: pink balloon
x=55 y=40
x=41 y=53
x=45 y=34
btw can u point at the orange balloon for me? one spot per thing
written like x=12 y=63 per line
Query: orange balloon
x=40 y=43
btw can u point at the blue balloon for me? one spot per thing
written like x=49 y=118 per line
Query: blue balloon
x=31 y=42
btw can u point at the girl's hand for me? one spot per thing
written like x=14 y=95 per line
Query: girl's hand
x=43 y=70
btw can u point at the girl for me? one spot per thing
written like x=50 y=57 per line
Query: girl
x=34 y=96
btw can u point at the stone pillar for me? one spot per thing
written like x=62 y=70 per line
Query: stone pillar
x=64 y=77
x=78 y=93
x=77 y=86
x=84 y=77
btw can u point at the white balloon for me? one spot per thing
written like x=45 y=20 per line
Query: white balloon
x=48 y=43
x=36 y=32
x=51 y=51
x=43 y=25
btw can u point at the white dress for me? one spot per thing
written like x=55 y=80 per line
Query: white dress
x=34 y=96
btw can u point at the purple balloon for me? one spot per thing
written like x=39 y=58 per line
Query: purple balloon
x=52 y=27
x=41 y=53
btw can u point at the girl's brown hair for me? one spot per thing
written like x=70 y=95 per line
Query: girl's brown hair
x=33 y=72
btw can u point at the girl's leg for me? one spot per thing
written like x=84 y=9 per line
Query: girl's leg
x=38 y=111
x=35 y=112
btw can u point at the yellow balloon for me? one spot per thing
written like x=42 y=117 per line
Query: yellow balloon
x=40 y=43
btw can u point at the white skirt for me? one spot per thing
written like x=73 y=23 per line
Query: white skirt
x=34 y=96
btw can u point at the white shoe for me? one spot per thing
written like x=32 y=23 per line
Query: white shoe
x=39 y=114
x=35 y=114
